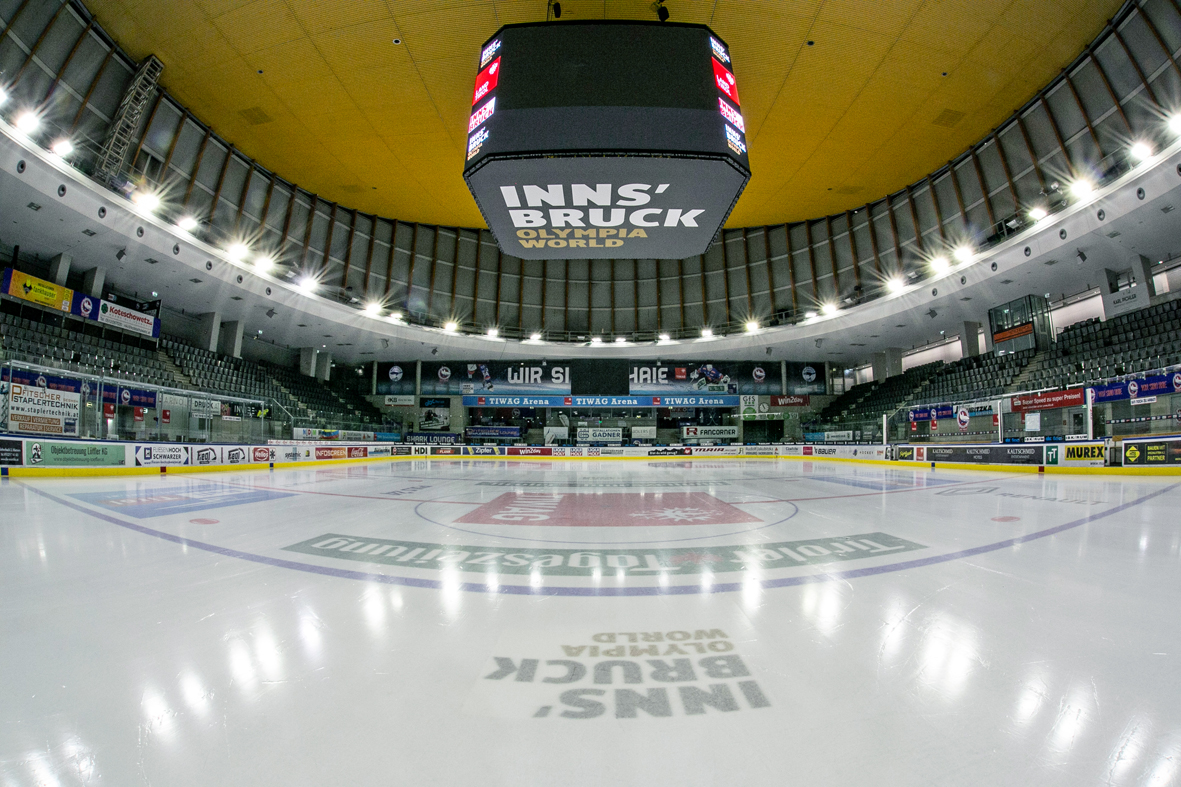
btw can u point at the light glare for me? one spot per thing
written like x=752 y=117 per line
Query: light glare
x=707 y=333
x=237 y=251
x=263 y=263
x=895 y=284
x=146 y=201
x=752 y=326
x=308 y=285
x=1141 y=151
x=1081 y=188
x=63 y=148
x=964 y=253
x=28 y=123
x=187 y=223
x=1037 y=214
x=829 y=308
x=451 y=327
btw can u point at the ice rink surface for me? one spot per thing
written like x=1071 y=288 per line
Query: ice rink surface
x=650 y=623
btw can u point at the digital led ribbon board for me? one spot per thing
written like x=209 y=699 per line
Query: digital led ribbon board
x=606 y=139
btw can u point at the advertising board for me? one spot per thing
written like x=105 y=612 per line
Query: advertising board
x=492 y=432
x=709 y=432
x=976 y=454
x=161 y=455
x=599 y=434
x=43 y=453
x=11 y=452
x=34 y=290
x=1148 y=452
x=43 y=411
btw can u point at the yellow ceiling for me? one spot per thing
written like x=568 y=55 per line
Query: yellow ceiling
x=381 y=127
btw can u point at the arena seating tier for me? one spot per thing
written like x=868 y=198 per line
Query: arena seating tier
x=60 y=348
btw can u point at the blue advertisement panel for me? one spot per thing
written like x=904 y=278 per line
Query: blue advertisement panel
x=1157 y=385
x=39 y=380
x=128 y=397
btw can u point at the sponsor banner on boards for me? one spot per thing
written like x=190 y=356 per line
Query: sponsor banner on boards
x=694 y=400
x=1162 y=451
x=11 y=452
x=792 y=400
x=981 y=454
x=643 y=432
x=1156 y=385
x=1076 y=455
x=161 y=455
x=433 y=438
x=44 y=453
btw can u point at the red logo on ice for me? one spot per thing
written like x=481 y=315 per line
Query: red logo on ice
x=624 y=509
x=725 y=81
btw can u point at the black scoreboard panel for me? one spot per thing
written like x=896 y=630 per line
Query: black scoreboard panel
x=605 y=139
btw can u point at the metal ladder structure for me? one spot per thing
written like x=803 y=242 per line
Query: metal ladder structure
x=114 y=149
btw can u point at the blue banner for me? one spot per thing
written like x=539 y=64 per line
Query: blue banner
x=39 y=380
x=128 y=397
x=387 y=437
x=1157 y=385
x=715 y=400
x=476 y=432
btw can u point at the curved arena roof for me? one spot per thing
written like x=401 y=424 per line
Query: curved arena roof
x=844 y=100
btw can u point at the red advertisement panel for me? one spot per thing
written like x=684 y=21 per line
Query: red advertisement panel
x=486 y=80
x=529 y=451
x=725 y=81
x=358 y=452
x=1075 y=397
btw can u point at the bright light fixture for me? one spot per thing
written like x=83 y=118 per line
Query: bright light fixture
x=1141 y=151
x=964 y=253
x=27 y=123
x=829 y=308
x=535 y=337
x=596 y=340
x=63 y=148
x=1174 y=121
x=620 y=339
x=395 y=316
x=146 y=201
x=237 y=251
x=707 y=333
x=308 y=285
x=187 y=223
x=263 y=263
x=1081 y=187
x=493 y=333
x=895 y=284
x=752 y=326
x=1037 y=214
x=3 y=96
x=809 y=315
x=451 y=326
x=373 y=309
x=664 y=337
x=939 y=264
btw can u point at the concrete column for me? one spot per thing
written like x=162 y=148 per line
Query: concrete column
x=230 y=341
x=59 y=269
x=323 y=366
x=887 y=363
x=1142 y=270
x=307 y=361
x=92 y=282
x=970 y=340
x=210 y=329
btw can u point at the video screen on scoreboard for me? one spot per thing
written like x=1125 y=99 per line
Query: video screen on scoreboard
x=605 y=139
x=536 y=86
